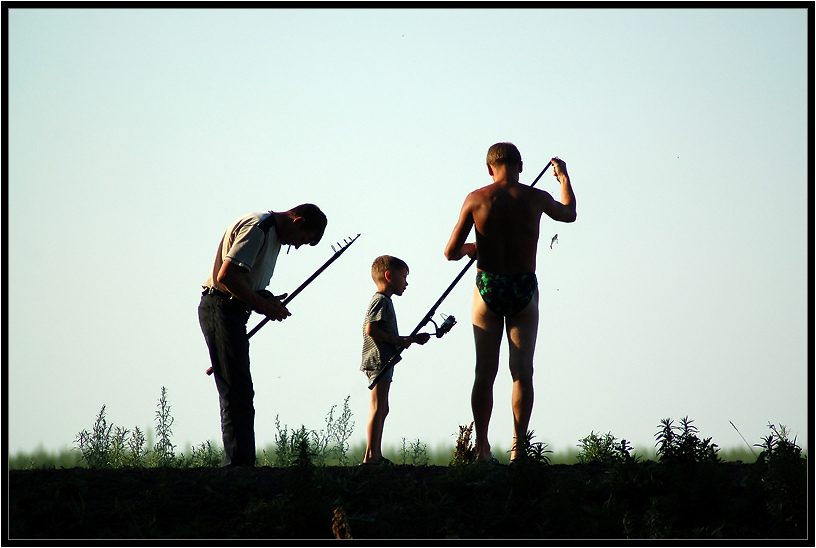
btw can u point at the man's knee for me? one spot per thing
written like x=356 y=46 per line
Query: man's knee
x=486 y=372
x=522 y=371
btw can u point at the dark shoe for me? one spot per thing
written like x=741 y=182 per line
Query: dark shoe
x=493 y=461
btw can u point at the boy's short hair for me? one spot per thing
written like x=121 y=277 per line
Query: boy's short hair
x=314 y=220
x=384 y=263
x=503 y=153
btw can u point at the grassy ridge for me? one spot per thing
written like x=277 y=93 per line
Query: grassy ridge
x=441 y=456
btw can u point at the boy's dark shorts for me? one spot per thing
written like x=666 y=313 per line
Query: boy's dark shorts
x=388 y=376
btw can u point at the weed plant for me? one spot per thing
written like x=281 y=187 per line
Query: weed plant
x=414 y=453
x=779 y=467
x=164 y=452
x=304 y=447
x=679 y=444
x=529 y=451
x=339 y=431
x=294 y=448
x=203 y=456
x=95 y=444
x=605 y=449
x=110 y=446
x=464 y=452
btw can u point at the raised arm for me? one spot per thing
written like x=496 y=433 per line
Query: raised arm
x=457 y=248
x=564 y=210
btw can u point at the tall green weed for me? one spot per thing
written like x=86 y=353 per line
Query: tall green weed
x=679 y=444
x=110 y=446
x=303 y=447
x=605 y=449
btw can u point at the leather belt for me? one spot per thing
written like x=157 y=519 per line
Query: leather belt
x=218 y=293
x=226 y=296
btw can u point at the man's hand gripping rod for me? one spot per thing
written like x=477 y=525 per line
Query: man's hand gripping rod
x=345 y=246
x=431 y=312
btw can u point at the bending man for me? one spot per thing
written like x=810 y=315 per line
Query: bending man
x=243 y=267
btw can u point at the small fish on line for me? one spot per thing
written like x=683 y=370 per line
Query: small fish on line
x=554 y=240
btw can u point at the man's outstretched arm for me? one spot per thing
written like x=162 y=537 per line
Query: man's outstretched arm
x=564 y=210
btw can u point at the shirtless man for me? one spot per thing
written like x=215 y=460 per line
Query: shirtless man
x=507 y=216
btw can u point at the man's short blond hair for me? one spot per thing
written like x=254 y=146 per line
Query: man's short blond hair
x=384 y=263
x=503 y=153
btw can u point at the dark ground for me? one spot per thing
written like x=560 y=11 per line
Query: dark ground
x=580 y=501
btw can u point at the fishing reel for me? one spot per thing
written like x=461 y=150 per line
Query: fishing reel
x=447 y=324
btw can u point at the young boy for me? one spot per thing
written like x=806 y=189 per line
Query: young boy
x=381 y=342
x=506 y=215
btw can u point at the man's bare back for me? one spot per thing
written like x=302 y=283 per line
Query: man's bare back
x=507 y=227
x=507 y=215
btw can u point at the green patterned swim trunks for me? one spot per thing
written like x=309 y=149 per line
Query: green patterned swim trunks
x=506 y=294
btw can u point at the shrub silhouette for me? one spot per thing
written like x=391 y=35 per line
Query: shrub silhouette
x=679 y=444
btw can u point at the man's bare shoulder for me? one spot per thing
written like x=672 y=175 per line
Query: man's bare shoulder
x=487 y=189
x=480 y=195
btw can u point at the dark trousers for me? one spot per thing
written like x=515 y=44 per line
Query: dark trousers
x=223 y=322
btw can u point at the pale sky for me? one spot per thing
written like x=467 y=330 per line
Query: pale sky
x=135 y=137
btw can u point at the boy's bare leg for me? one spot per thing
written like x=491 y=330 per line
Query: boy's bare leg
x=487 y=335
x=376 y=421
x=522 y=329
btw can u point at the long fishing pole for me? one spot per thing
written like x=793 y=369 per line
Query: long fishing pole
x=307 y=282
x=346 y=244
x=431 y=312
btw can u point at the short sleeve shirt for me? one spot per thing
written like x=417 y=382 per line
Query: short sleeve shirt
x=247 y=245
x=376 y=353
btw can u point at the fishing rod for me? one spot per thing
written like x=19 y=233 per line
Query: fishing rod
x=342 y=248
x=431 y=312
x=540 y=174
x=446 y=326
x=317 y=273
